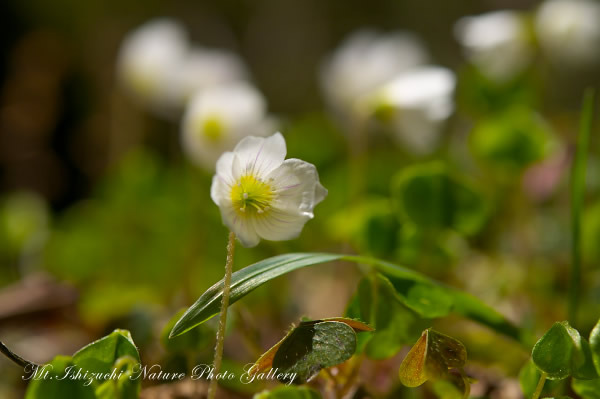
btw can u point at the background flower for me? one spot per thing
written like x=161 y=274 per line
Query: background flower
x=498 y=43
x=364 y=61
x=218 y=117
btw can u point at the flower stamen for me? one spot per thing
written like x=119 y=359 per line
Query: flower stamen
x=252 y=194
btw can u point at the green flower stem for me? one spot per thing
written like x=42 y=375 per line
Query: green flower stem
x=26 y=364
x=540 y=386
x=577 y=196
x=212 y=388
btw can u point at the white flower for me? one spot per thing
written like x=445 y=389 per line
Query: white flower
x=203 y=68
x=148 y=57
x=161 y=69
x=364 y=61
x=415 y=104
x=496 y=42
x=261 y=195
x=569 y=30
x=217 y=118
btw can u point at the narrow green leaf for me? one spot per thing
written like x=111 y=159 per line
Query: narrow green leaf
x=195 y=340
x=249 y=278
x=577 y=196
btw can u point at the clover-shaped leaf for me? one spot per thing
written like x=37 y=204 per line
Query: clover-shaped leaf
x=433 y=198
x=310 y=347
x=431 y=358
x=562 y=352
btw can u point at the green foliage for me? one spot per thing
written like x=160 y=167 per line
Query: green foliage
x=577 y=196
x=431 y=358
x=197 y=339
x=512 y=140
x=482 y=96
x=290 y=392
x=117 y=246
x=54 y=386
x=587 y=389
x=395 y=325
x=251 y=277
x=431 y=197
x=562 y=352
x=100 y=370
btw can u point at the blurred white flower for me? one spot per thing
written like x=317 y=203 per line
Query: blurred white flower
x=415 y=105
x=364 y=61
x=498 y=43
x=261 y=195
x=161 y=69
x=204 y=68
x=148 y=56
x=216 y=118
x=569 y=31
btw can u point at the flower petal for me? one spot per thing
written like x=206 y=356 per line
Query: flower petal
x=297 y=186
x=259 y=156
x=241 y=225
x=280 y=225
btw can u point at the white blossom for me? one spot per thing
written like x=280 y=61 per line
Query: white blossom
x=161 y=69
x=216 y=118
x=498 y=43
x=203 y=68
x=569 y=31
x=415 y=104
x=364 y=61
x=148 y=57
x=262 y=195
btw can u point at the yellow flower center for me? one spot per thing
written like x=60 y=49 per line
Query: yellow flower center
x=252 y=195
x=212 y=128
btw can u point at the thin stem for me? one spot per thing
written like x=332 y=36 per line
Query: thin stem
x=577 y=196
x=540 y=386
x=26 y=364
x=212 y=388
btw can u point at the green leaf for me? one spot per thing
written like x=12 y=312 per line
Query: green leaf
x=511 y=140
x=432 y=198
x=587 y=389
x=100 y=356
x=289 y=393
x=54 y=385
x=577 y=197
x=251 y=277
x=308 y=348
x=432 y=356
x=195 y=340
x=561 y=353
